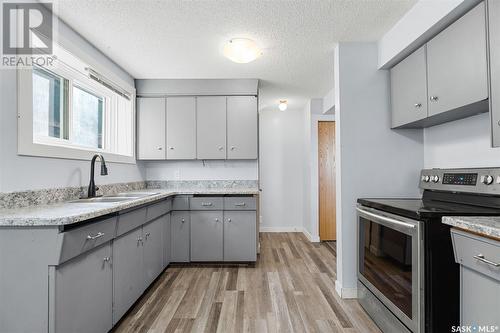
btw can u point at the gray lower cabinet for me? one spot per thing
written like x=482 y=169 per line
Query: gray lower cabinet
x=166 y=240
x=81 y=288
x=180 y=236
x=457 y=70
x=479 y=260
x=152 y=234
x=207 y=236
x=240 y=236
x=128 y=275
x=409 y=89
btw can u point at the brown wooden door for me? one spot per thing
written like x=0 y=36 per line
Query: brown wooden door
x=326 y=173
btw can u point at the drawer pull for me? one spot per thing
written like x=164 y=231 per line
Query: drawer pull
x=241 y=204
x=98 y=235
x=206 y=204
x=481 y=257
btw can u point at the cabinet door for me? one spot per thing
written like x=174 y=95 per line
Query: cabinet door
x=153 y=249
x=480 y=301
x=494 y=34
x=151 y=128
x=166 y=240
x=242 y=127
x=128 y=275
x=240 y=228
x=180 y=236
x=457 y=63
x=206 y=236
x=83 y=293
x=181 y=128
x=211 y=127
x=409 y=89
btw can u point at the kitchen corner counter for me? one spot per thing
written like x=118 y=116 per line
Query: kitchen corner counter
x=488 y=226
x=65 y=213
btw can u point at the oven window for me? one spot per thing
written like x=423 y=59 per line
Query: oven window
x=385 y=260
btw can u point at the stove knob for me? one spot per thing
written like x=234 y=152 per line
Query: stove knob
x=426 y=179
x=435 y=179
x=487 y=180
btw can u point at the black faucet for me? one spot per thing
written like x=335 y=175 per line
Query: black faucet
x=104 y=172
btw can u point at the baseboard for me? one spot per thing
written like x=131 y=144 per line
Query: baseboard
x=280 y=229
x=346 y=293
x=311 y=238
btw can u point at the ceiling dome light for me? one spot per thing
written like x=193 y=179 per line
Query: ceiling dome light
x=283 y=105
x=242 y=50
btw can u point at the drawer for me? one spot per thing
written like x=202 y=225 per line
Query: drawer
x=206 y=203
x=79 y=240
x=180 y=202
x=467 y=246
x=130 y=221
x=240 y=203
x=158 y=209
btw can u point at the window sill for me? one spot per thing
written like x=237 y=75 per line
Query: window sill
x=70 y=153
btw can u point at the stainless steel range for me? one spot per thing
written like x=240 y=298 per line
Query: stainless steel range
x=408 y=280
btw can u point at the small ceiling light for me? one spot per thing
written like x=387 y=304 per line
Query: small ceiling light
x=242 y=50
x=283 y=105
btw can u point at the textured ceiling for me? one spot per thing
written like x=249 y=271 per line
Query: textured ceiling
x=184 y=39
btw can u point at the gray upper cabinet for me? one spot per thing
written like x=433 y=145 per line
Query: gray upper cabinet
x=82 y=293
x=151 y=128
x=211 y=127
x=240 y=236
x=128 y=275
x=152 y=234
x=457 y=64
x=242 y=127
x=207 y=236
x=181 y=128
x=494 y=35
x=409 y=89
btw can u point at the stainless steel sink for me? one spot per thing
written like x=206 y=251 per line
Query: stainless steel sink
x=104 y=199
x=134 y=194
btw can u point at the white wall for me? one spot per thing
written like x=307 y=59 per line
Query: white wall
x=25 y=173
x=461 y=144
x=282 y=169
x=199 y=170
x=372 y=160
x=424 y=20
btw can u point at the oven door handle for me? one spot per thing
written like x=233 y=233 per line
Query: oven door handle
x=386 y=219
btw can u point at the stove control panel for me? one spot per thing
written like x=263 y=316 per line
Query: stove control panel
x=481 y=180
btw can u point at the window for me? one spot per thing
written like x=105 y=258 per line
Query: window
x=71 y=111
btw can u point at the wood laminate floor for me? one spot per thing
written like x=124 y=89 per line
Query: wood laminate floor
x=291 y=288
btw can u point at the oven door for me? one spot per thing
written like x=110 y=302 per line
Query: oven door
x=389 y=263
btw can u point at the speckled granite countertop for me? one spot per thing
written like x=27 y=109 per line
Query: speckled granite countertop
x=485 y=225
x=72 y=212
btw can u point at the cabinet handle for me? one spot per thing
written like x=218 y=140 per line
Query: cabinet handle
x=183 y=220
x=160 y=148
x=221 y=148
x=139 y=240
x=481 y=257
x=98 y=235
x=233 y=148
x=418 y=105
x=216 y=220
x=206 y=204
x=106 y=259
x=171 y=148
x=242 y=204
x=147 y=235
x=228 y=220
x=434 y=98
